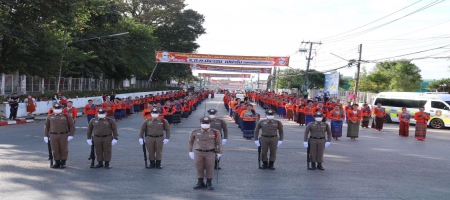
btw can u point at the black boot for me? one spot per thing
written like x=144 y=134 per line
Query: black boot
x=215 y=165
x=313 y=166
x=107 y=166
x=271 y=165
x=63 y=163
x=200 y=184
x=152 y=165
x=264 y=166
x=99 y=165
x=57 y=164
x=319 y=166
x=158 y=164
x=209 y=184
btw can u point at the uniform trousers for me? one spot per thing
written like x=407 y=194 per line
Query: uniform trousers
x=103 y=148
x=269 y=144
x=154 y=147
x=317 y=147
x=204 y=161
x=59 y=145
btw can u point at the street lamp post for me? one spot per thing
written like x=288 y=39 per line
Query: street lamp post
x=66 y=44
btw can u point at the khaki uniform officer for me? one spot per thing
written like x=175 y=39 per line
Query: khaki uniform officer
x=316 y=132
x=153 y=130
x=271 y=129
x=219 y=125
x=105 y=136
x=206 y=141
x=60 y=128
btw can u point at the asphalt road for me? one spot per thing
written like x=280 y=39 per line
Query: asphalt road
x=378 y=165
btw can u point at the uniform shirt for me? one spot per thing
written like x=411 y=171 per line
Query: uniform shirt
x=366 y=112
x=354 y=115
x=107 y=105
x=269 y=128
x=205 y=140
x=90 y=109
x=379 y=112
x=308 y=110
x=58 y=123
x=155 y=127
x=336 y=115
x=72 y=112
x=419 y=117
x=102 y=126
x=317 y=130
x=221 y=126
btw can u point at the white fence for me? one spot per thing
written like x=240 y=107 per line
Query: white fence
x=22 y=84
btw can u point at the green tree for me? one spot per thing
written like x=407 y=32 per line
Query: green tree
x=379 y=80
x=405 y=77
x=176 y=29
x=442 y=85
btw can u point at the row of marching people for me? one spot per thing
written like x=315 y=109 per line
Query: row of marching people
x=243 y=113
x=176 y=111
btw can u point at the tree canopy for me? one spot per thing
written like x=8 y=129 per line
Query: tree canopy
x=296 y=77
x=399 y=75
x=37 y=37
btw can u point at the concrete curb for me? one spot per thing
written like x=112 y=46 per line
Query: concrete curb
x=17 y=121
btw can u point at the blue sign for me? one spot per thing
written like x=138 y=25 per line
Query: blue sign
x=332 y=83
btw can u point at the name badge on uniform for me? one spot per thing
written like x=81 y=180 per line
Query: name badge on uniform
x=264 y=122
x=199 y=133
x=212 y=136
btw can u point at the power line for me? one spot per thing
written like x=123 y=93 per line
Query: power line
x=373 y=21
x=410 y=53
x=436 y=43
x=387 y=23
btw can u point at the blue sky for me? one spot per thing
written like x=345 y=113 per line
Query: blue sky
x=277 y=28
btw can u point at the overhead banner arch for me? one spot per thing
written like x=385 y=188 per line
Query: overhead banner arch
x=263 y=70
x=190 y=58
x=224 y=75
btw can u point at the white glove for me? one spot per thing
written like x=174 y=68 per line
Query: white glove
x=218 y=155
x=305 y=144
x=89 y=141
x=191 y=154
x=257 y=143
x=165 y=141
x=113 y=142
x=327 y=144
x=46 y=139
x=69 y=138
x=224 y=141
x=141 y=141
x=279 y=143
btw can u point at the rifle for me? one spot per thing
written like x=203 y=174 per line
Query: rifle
x=50 y=154
x=144 y=149
x=217 y=170
x=92 y=156
x=307 y=156
x=259 y=155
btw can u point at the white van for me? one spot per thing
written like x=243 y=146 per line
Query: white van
x=435 y=103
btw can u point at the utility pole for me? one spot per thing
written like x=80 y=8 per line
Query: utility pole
x=272 y=85
x=258 y=82
x=357 y=74
x=309 y=60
